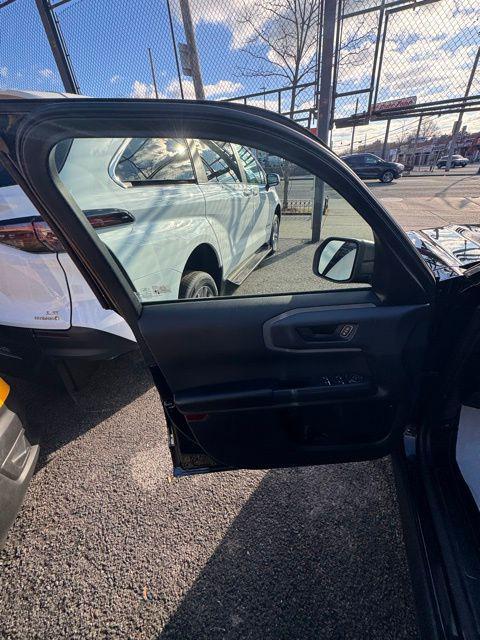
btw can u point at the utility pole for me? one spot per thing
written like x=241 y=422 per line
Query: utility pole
x=353 y=128
x=57 y=45
x=324 y=102
x=152 y=68
x=385 y=140
x=458 y=124
x=192 y=49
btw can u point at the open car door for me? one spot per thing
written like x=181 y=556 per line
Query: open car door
x=318 y=359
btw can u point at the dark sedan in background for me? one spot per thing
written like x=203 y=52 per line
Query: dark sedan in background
x=368 y=165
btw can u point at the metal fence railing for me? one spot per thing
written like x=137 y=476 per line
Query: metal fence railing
x=255 y=51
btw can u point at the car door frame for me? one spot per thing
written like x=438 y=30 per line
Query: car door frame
x=38 y=132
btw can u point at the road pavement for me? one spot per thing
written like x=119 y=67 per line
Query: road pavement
x=419 y=201
x=108 y=545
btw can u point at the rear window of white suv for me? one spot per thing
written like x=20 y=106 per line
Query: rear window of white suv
x=155 y=160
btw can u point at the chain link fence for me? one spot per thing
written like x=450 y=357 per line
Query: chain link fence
x=424 y=50
x=26 y=60
x=260 y=52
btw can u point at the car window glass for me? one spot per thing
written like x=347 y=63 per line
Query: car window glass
x=253 y=171
x=370 y=160
x=155 y=159
x=188 y=241
x=61 y=152
x=218 y=161
x=6 y=179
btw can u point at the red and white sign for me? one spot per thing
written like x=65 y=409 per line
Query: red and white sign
x=398 y=103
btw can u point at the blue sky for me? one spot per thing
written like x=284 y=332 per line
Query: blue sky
x=428 y=51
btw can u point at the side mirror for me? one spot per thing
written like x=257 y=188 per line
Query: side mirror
x=344 y=260
x=273 y=179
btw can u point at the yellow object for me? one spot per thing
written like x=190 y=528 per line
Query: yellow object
x=4 y=391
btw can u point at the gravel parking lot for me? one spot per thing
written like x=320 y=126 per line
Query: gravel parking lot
x=108 y=545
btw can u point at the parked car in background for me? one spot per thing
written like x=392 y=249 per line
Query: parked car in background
x=190 y=218
x=457 y=161
x=368 y=165
x=17 y=460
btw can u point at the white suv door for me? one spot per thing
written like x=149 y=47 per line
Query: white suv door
x=229 y=200
x=261 y=222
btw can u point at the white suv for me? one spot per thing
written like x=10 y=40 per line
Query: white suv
x=186 y=218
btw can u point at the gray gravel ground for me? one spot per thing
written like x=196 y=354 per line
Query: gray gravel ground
x=107 y=545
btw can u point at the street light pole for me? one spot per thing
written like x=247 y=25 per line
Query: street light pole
x=152 y=69
x=175 y=52
x=192 y=49
x=324 y=102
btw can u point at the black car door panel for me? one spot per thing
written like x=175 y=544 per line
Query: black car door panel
x=253 y=380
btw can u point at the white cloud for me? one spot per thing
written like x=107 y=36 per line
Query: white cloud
x=429 y=53
x=3 y=72
x=47 y=73
x=226 y=13
x=223 y=87
x=115 y=78
x=217 y=90
x=173 y=89
x=142 y=90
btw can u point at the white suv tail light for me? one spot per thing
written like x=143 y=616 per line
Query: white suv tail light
x=34 y=235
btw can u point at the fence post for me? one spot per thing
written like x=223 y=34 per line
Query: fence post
x=458 y=124
x=57 y=45
x=324 y=110
x=385 y=140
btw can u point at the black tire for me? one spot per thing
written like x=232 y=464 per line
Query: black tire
x=387 y=176
x=197 y=284
x=274 y=233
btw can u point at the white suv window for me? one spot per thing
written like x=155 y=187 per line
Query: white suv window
x=253 y=170
x=155 y=160
x=218 y=161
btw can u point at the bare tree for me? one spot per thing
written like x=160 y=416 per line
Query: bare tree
x=403 y=136
x=357 y=39
x=283 y=43
x=429 y=128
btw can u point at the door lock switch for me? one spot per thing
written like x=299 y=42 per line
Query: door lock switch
x=347 y=331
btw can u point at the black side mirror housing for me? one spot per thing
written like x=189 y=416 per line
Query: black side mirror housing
x=345 y=260
x=273 y=179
